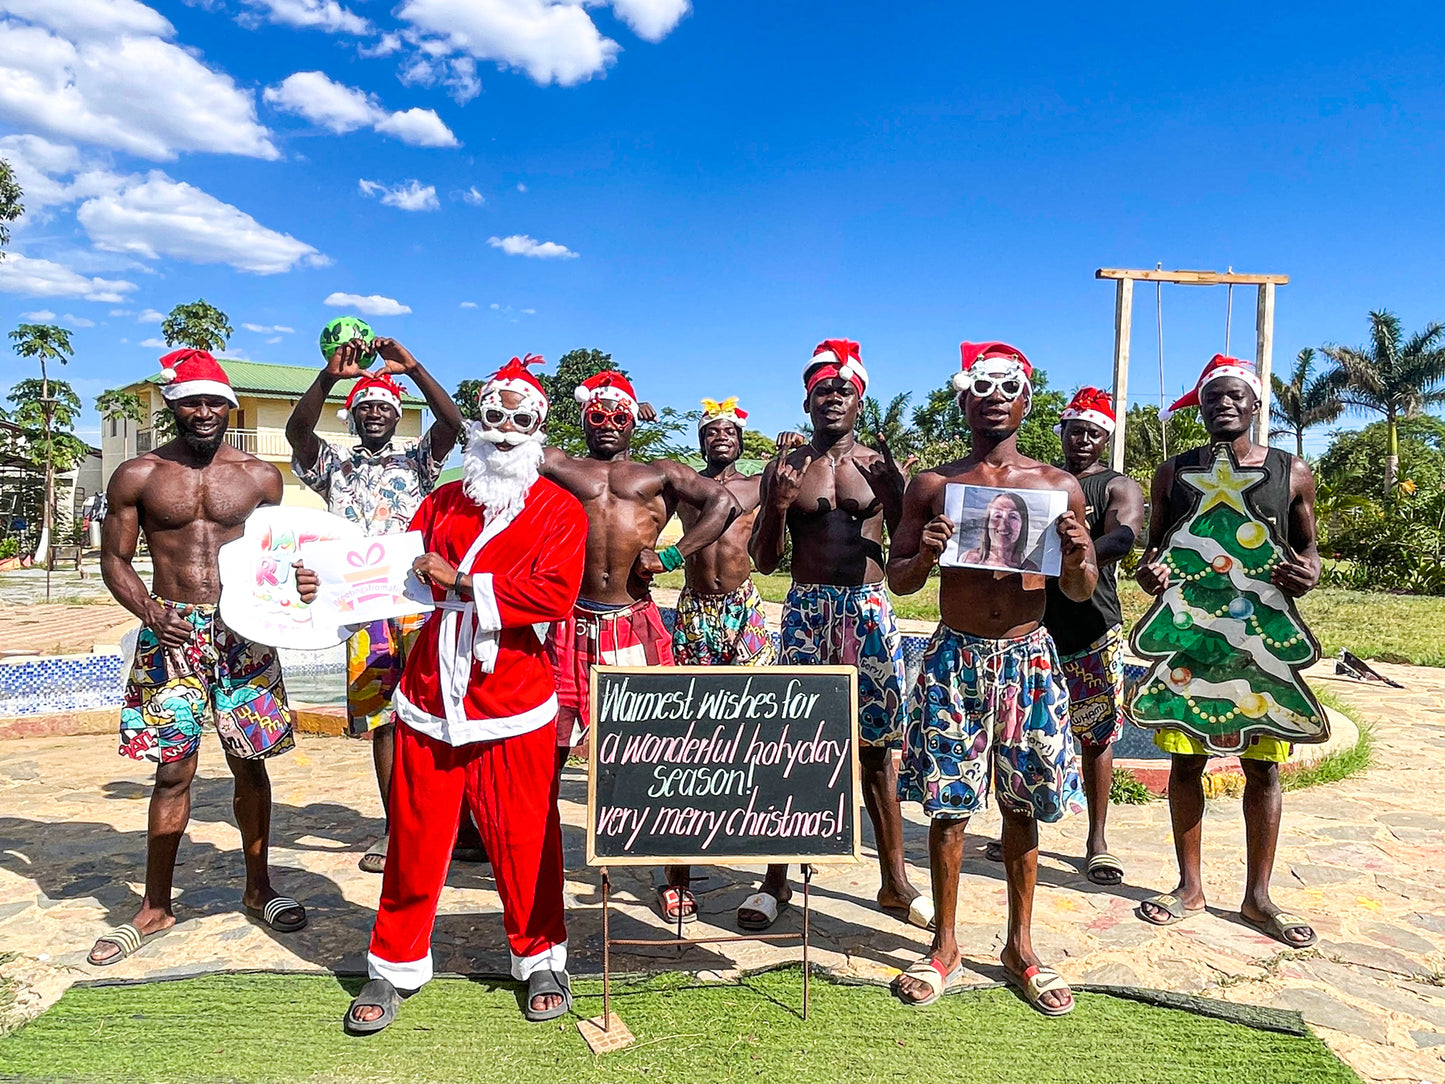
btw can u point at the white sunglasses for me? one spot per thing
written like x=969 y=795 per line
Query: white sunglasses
x=523 y=419
x=1011 y=383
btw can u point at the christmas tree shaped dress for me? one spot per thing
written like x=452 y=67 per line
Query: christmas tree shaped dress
x=1224 y=644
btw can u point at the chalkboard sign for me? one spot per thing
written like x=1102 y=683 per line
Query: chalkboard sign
x=723 y=765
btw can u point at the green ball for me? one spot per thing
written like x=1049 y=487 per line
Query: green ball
x=342 y=330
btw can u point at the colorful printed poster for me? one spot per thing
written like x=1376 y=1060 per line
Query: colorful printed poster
x=258 y=585
x=367 y=579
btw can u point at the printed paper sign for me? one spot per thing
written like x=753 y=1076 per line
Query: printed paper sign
x=1008 y=530
x=367 y=579
x=258 y=585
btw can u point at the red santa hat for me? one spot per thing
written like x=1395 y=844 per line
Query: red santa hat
x=724 y=410
x=1216 y=368
x=514 y=376
x=378 y=388
x=978 y=355
x=608 y=384
x=194 y=372
x=836 y=357
x=1089 y=405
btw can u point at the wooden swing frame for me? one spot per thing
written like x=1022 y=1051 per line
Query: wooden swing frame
x=1124 y=323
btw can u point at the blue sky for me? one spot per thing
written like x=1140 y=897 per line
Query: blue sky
x=707 y=190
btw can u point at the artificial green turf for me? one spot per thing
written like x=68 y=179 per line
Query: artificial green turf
x=276 y=1029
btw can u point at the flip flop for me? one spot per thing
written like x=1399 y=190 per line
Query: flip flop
x=1278 y=926
x=374 y=860
x=547 y=982
x=380 y=994
x=930 y=972
x=125 y=937
x=1170 y=905
x=919 y=912
x=673 y=899
x=1104 y=869
x=271 y=914
x=760 y=903
x=1037 y=981
x=993 y=850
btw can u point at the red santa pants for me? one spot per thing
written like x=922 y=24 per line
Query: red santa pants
x=511 y=787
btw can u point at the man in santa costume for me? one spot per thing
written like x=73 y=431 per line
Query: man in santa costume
x=476 y=708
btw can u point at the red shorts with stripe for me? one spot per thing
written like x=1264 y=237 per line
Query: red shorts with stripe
x=630 y=636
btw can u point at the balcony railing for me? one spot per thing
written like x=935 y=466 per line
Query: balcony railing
x=272 y=443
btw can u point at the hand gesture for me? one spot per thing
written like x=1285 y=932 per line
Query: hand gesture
x=881 y=473
x=935 y=537
x=398 y=358
x=646 y=412
x=788 y=440
x=171 y=627
x=345 y=363
x=1153 y=574
x=648 y=565
x=788 y=481
x=1073 y=541
x=434 y=571
x=307 y=582
x=1294 y=575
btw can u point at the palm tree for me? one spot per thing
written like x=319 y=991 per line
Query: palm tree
x=874 y=418
x=44 y=342
x=1302 y=403
x=1390 y=377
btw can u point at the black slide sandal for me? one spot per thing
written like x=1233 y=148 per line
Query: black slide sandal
x=378 y=993
x=541 y=983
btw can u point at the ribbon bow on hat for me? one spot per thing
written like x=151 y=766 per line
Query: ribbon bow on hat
x=725 y=411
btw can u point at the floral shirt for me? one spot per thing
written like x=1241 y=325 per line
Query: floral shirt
x=379 y=490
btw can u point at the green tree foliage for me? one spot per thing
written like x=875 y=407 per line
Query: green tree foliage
x=10 y=206
x=1393 y=376
x=758 y=446
x=1351 y=464
x=942 y=433
x=51 y=443
x=114 y=403
x=891 y=421
x=1307 y=399
x=199 y=325
x=1145 y=440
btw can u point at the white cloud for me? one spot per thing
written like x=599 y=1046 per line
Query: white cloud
x=325 y=15
x=529 y=312
x=40 y=316
x=458 y=74
x=474 y=196
x=77 y=321
x=651 y=20
x=339 y=108
x=267 y=329
x=158 y=344
x=154 y=216
x=79 y=18
x=371 y=304
x=465 y=305
x=97 y=77
x=411 y=196
x=274 y=340
x=494 y=306
x=521 y=188
x=119 y=312
x=44 y=278
x=150 y=316
x=519 y=244
x=385 y=46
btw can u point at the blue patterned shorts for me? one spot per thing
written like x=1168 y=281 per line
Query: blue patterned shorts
x=986 y=708
x=827 y=625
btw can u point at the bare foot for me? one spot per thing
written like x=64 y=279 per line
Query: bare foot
x=148 y=920
x=1159 y=915
x=544 y=1002
x=1016 y=965
x=259 y=898
x=1259 y=915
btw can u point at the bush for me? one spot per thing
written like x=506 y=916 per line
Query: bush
x=9 y=547
x=1399 y=548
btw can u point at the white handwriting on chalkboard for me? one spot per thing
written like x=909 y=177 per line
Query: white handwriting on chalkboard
x=621 y=704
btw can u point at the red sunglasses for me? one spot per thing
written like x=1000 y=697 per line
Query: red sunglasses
x=600 y=417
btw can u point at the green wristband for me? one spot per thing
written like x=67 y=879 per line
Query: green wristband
x=671 y=558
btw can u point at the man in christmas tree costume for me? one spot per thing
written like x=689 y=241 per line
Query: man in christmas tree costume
x=989 y=710
x=1231 y=543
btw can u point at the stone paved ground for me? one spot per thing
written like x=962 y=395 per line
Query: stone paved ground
x=1363 y=858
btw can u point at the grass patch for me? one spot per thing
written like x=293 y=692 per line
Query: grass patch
x=922 y=606
x=279 y=1029
x=1338 y=765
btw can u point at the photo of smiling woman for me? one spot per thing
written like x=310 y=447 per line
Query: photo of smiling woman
x=1004 y=535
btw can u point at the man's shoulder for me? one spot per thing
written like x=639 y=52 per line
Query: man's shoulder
x=547 y=495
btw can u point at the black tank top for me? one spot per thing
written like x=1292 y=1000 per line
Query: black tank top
x=1076 y=625
x=1270 y=499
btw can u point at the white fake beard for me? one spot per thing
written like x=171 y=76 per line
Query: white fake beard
x=499 y=480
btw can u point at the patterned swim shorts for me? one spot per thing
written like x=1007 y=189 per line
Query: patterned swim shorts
x=375 y=657
x=217 y=678
x=722 y=630
x=827 y=625
x=597 y=636
x=1095 y=680
x=990 y=711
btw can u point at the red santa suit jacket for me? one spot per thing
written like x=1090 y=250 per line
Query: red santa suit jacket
x=478 y=670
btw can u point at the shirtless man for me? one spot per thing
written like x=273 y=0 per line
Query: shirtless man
x=834 y=496
x=989 y=705
x=615 y=621
x=1227 y=395
x=191 y=496
x=720 y=620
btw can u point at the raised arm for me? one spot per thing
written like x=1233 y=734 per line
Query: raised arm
x=1123 y=521
x=712 y=500
x=1079 y=571
x=887 y=482
x=448 y=424
x=920 y=537
x=776 y=493
x=345 y=364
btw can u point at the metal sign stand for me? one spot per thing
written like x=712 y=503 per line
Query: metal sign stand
x=607 y=1032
